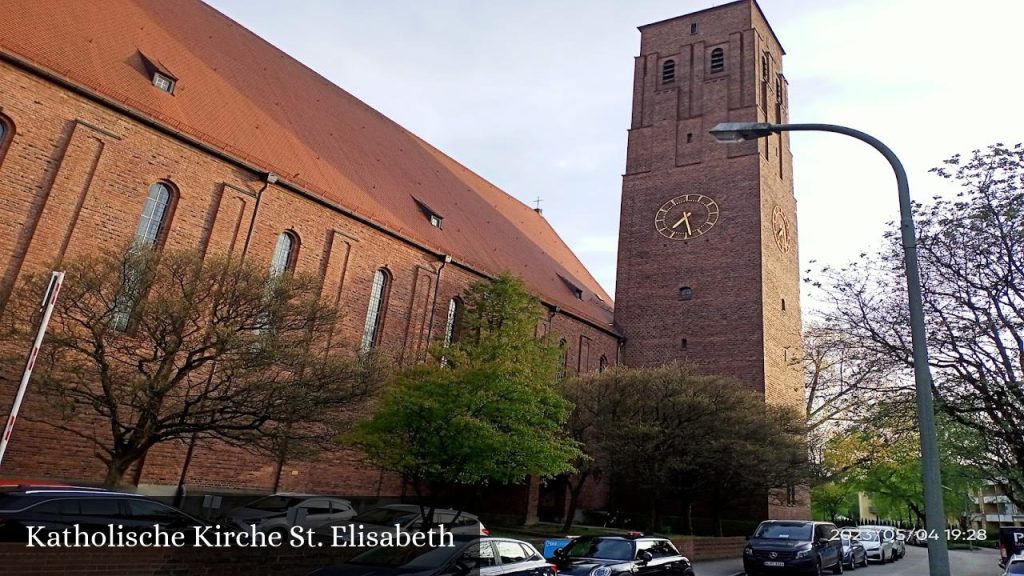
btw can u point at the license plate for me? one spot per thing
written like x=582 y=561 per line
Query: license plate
x=773 y=563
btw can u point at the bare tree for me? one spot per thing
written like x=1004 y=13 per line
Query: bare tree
x=146 y=348
x=971 y=250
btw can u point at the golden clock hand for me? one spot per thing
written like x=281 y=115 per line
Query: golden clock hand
x=685 y=218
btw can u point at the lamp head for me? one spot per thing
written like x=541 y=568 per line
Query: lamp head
x=732 y=132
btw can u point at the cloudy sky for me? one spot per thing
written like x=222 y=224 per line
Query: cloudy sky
x=534 y=95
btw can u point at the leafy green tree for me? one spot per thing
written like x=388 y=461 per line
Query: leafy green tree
x=668 y=432
x=148 y=347
x=490 y=413
x=971 y=250
x=830 y=500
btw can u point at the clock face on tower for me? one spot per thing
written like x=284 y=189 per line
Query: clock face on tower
x=781 y=230
x=686 y=217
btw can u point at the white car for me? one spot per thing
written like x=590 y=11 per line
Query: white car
x=896 y=539
x=1014 y=566
x=404 y=517
x=280 y=512
x=878 y=549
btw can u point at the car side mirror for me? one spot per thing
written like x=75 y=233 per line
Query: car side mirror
x=461 y=568
x=646 y=557
x=823 y=542
x=560 y=554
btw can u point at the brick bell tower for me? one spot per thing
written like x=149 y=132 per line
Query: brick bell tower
x=707 y=265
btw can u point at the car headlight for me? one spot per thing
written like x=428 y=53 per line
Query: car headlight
x=805 y=553
x=748 y=551
x=601 y=571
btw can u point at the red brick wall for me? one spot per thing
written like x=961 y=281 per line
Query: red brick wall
x=734 y=324
x=75 y=179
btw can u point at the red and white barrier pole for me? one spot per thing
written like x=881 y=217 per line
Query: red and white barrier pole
x=49 y=299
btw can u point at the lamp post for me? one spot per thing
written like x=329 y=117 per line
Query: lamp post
x=935 y=517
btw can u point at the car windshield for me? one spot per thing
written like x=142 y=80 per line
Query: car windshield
x=274 y=503
x=784 y=531
x=418 y=557
x=384 y=517
x=604 y=548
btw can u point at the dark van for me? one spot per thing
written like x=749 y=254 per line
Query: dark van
x=1011 y=542
x=793 y=546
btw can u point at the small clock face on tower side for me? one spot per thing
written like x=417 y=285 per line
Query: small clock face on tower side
x=686 y=217
x=781 y=230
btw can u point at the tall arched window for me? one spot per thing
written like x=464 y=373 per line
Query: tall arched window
x=154 y=215
x=6 y=135
x=451 y=325
x=564 y=359
x=717 y=60
x=148 y=233
x=284 y=254
x=668 y=72
x=375 y=311
x=602 y=364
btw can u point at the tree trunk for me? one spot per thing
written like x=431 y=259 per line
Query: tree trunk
x=116 y=468
x=574 y=498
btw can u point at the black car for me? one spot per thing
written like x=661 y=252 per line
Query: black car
x=56 y=508
x=479 y=556
x=793 y=546
x=612 y=555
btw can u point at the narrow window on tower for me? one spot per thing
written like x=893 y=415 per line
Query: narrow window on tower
x=668 y=72
x=686 y=293
x=717 y=60
x=764 y=82
x=602 y=364
x=783 y=304
x=682 y=344
x=693 y=28
x=689 y=137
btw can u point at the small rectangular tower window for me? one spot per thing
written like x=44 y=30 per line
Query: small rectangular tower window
x=693 y=28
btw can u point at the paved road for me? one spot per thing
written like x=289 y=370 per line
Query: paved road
x=915 y=563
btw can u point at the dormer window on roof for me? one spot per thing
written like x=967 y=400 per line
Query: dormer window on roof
x=576 y=290
x=159 y=75
x=432 y=215
x=164 y=83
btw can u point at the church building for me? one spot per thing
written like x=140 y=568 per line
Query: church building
x=172 y=125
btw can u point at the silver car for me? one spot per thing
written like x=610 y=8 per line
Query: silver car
x=280 y=512
x=403 y=517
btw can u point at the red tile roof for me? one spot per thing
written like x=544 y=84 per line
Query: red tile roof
x=238 y=93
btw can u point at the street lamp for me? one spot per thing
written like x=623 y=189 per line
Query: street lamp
x=935 y=517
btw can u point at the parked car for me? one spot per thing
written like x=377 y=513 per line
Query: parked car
x=480 y=556
x=279 y=512
x=407 y=518
x=787 y=546
x=57 y=508
x=878 y=548
x=854 y=554
x=634 y=554
x=1014 y=565
x=892 y=537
